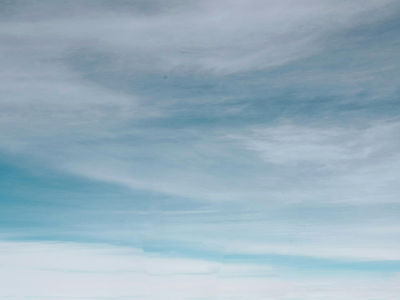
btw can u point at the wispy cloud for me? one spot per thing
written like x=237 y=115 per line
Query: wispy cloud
x=237 y=149
x=219 y=36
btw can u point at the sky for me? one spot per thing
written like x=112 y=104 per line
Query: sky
x=200 y=150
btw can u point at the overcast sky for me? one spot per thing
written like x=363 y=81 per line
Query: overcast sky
x=238 y=150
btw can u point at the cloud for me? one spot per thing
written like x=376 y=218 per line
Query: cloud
x=217 y=36
x=332 y=159
x=51 y=108
x=290 y=144
x=59 y=270
x=259 y=129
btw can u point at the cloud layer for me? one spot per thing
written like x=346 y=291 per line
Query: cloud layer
x=55 y=271
x=200 y=149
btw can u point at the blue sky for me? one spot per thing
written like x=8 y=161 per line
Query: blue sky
x=200 y=149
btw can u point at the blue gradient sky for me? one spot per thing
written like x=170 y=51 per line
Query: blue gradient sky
x=200 y=149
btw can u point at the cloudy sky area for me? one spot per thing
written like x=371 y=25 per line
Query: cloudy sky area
x=208 y=150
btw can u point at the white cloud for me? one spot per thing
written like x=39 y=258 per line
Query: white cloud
x=290 y=144
x=332 y=163
x=59 y=270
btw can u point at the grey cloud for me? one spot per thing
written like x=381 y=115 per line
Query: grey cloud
x=221 y=37
x=51 y=107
